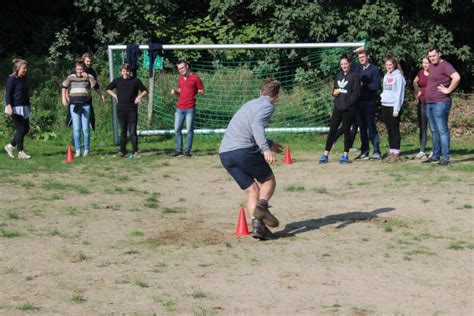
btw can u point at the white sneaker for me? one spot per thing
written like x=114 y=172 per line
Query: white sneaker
x=421 y=155
x=353 y=150
x=376 y=156
x=78 y=153
x=23 y=155
x=9 y=149
x=85 y=154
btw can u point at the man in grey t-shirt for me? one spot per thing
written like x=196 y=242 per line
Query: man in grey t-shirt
x=246 y=154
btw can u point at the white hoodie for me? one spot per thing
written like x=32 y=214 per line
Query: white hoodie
x=393 y=90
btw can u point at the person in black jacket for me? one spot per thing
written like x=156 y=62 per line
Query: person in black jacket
x=18 y=106
x=346 y=93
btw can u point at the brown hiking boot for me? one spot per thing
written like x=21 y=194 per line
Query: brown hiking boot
x=262 y=213
x=392 y=158
x=260 y=231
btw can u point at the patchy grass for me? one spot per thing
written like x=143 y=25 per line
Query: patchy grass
x=320 y=190
x=197 y=294
x=173 y=210
x=152 y=201
x=79 y=256
x=141 y=283
x=28 y=307
x=203 y=311
x=294 y=188
x=13 y=215
x=166 y=301
x=9 y=233
x=460 y=245
x=136 y=233
x=77 y=298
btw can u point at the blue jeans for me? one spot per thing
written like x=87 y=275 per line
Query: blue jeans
x=366 y=120
x=179 y=117
x=81 y=121
x=438 y=114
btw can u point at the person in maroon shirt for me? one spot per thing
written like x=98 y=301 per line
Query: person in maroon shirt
x=189 y=84
x=443 y=79
x=419 y=85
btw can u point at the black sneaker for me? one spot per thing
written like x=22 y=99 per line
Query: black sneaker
x=443 y=162
x=363 y=156
x=430 y=160
x=260 y=231
x=177 y=154
x=187 y=154
x=262 y=213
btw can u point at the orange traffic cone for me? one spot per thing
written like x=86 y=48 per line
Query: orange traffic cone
x=69 y=155
x=241 y=229
x=287 y=159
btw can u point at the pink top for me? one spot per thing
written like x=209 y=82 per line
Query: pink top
x=439 y=74
x=422 y=82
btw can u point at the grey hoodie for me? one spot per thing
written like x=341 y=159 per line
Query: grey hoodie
x=393 y=90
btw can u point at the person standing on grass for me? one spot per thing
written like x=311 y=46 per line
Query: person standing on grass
x=366 y=107
x=346 y=93
x=419 y=86
x=128 y=95
x=246 y=154
x=442 y=81
x=88 y=61
x=392 y=99
x=17 y=102
x=189 y=84
x=76 y=95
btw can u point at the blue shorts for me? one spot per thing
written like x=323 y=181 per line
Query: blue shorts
x=246 y=165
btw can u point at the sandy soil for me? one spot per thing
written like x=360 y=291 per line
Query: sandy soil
x=155 y=236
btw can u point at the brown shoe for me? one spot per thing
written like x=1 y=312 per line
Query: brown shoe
x=262 y=213
x=392 y=158
x=260 y=231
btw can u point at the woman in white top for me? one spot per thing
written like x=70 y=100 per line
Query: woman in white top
x=392 y=99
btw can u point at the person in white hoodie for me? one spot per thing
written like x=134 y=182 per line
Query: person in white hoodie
x=392 y=99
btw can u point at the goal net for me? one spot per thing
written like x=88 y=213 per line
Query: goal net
x=232 y=75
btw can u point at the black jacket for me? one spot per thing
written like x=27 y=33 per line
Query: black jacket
x=349 y=91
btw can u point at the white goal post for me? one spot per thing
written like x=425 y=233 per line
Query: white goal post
x=112 y=48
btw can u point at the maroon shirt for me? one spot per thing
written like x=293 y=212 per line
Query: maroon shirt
x=422 y=82
x=188 y=86
x=439 y=74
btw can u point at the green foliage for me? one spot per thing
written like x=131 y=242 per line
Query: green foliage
x=53 y=38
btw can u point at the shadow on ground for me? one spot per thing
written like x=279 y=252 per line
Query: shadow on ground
x=343 y=219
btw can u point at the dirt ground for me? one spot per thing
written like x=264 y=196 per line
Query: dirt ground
x=155 y=236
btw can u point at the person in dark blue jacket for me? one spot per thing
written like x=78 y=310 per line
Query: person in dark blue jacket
x=369 y=76
x=18 y=106
x=346 y=94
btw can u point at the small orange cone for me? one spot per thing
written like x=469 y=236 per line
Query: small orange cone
x=241 y=229
x=69 y=155
x=287 y=159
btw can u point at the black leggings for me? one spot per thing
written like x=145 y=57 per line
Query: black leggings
x=128 y=121
x=340 y=132
x=347 y=118
x=422 y=124
x=393 y=126
x=22 y=127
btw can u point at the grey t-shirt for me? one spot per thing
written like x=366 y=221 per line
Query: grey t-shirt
x=247 y=127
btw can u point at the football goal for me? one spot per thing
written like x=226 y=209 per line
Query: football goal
x=232 y=74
